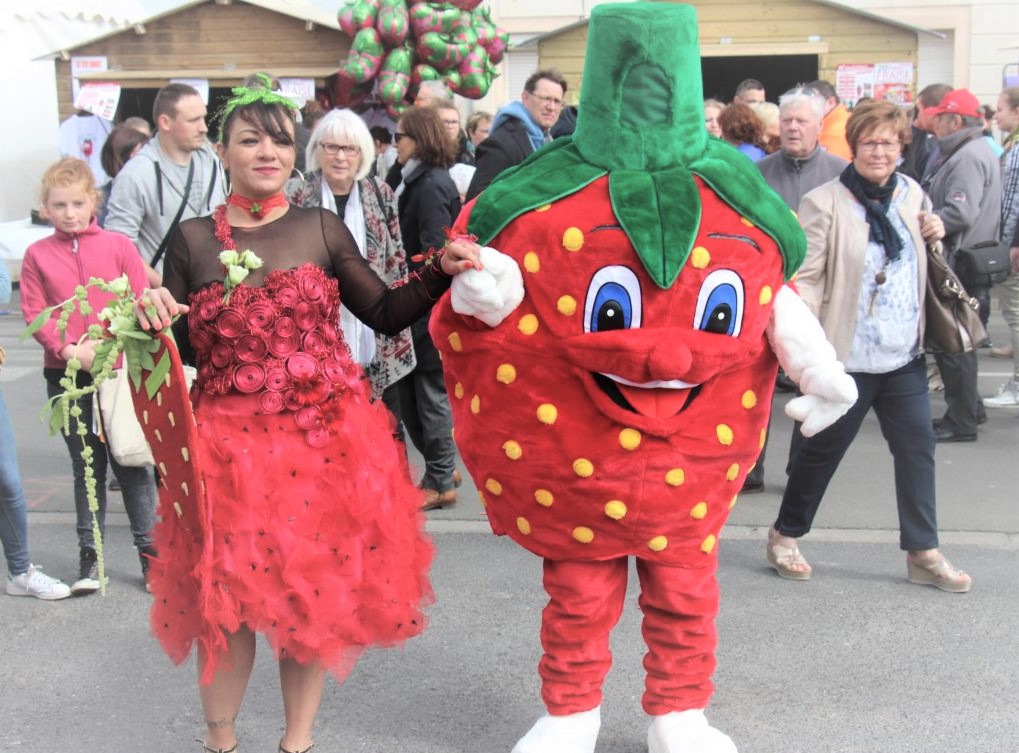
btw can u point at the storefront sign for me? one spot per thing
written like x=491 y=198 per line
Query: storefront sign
x=82 y=65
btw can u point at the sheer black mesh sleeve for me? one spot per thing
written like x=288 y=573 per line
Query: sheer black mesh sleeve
x=175 y=276
x=302 y=236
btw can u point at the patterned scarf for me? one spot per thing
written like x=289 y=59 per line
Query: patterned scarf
x=875 y=200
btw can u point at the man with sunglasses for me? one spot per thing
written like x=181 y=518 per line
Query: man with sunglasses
x=519 y=128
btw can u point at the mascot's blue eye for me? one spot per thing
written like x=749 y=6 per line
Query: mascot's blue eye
x=612 y=308
x=720 y=304
x=613 y=300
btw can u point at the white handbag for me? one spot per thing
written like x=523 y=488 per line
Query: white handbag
x=114 y=406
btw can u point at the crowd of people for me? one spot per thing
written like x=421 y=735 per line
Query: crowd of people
x=872 y=188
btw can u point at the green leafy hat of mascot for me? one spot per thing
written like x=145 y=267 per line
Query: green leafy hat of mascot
x=641 y=121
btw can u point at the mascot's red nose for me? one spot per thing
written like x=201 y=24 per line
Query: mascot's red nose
x=668 y=360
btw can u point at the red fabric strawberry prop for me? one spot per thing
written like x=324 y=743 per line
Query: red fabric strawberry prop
x=618 y=408
x=163 y=408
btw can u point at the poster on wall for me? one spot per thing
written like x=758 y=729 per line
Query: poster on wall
x=98 y=98
x=300 y=89
x=82 y=65
x=894 y=82
x=201 y=85
x=891 y=81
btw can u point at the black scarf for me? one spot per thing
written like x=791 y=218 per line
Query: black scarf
x=875 y=200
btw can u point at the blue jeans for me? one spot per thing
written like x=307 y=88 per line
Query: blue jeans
x=903 y=408
x=136 y=484
x=13 y=521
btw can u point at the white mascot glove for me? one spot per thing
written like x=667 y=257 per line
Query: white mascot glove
x=492 y=293
x=809 y=360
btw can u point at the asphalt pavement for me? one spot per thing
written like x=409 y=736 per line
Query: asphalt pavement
x=856 y=660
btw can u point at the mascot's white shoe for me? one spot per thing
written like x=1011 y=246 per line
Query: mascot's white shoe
x=686 y=732
x=574 y=733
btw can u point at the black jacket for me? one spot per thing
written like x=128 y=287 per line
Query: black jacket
x=428 y=205
x=508 y=145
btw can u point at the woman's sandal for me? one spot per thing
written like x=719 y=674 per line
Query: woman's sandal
x=207 y=749
x=937 y=572
x=784 y=559
x=284 y=750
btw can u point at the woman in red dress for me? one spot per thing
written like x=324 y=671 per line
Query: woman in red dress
x=314 y=534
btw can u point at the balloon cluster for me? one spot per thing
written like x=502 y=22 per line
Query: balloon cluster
x=396 y=46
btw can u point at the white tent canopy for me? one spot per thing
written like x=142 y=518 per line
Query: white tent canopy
x=33 y=33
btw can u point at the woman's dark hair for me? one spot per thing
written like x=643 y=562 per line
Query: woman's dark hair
x=740 y=124
x=276 y=120
x=119 y=145
x=433 y=146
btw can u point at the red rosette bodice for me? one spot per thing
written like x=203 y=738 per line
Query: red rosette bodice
x=280 y=344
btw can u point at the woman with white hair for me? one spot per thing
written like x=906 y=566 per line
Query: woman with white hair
x=339 y=157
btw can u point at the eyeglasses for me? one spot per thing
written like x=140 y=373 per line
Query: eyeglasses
x=873 y=146
x=451 y=122
x=397 y=136
x=349 y=150
x=554 y=101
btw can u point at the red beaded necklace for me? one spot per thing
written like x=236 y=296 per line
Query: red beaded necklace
x=223 y=232
x=258 y=208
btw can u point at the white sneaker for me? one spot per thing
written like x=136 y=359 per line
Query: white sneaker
x=1007 y=397
x=38 y=584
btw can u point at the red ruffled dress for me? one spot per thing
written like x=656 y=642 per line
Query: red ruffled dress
x=314 y=535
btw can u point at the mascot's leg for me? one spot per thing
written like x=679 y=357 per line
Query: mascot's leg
x=679 y=606
x=585 y=601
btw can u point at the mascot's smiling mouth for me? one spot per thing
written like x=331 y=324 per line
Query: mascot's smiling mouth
x=651 y=399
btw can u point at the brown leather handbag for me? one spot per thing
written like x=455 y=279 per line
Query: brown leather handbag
x=952 y=315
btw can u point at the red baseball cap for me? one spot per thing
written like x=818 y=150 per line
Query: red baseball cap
x=956 y=102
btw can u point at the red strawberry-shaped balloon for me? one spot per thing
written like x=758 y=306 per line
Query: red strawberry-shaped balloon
x=394 y=78
x=357 y=15
x=365 y=57
x=435 y=17
x=393 y=22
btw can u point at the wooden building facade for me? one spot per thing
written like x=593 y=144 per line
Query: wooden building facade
x=221 y=41
x=779 y=42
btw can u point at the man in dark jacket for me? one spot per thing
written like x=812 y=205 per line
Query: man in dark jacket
x=923 y=144
x=965 y=189
x=519 y=128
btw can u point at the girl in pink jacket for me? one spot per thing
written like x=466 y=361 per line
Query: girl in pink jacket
x=53 y=268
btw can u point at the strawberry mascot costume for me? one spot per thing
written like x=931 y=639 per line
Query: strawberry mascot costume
x=611 y=369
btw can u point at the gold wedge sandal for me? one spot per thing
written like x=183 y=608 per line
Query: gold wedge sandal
x=935 y=570
x=786 y=559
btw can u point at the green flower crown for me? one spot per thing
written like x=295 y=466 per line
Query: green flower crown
x=244 y=95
